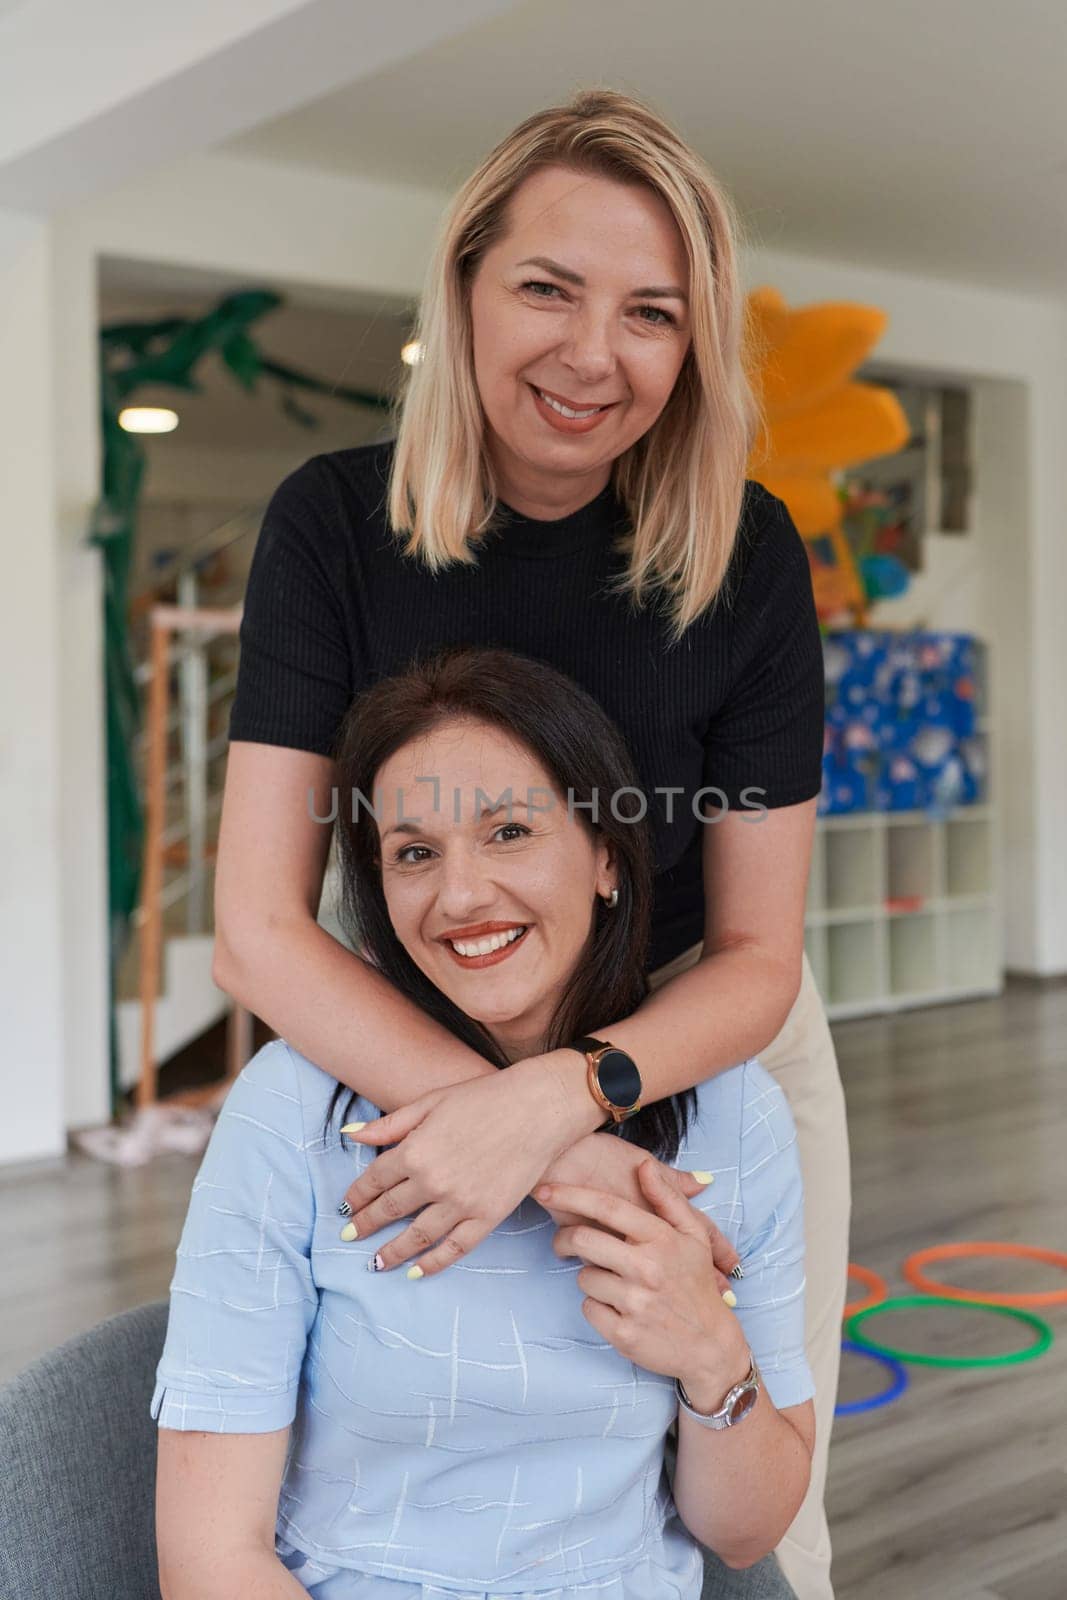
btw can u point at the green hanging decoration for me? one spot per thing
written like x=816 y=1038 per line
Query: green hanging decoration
x=134 y=355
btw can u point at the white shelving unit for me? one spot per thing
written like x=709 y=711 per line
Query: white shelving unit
x=904 y=910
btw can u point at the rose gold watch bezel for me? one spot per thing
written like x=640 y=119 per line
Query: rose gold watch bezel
x=616 y=1113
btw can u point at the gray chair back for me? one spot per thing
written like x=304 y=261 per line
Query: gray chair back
x=78 y=1474
x=78 y=1466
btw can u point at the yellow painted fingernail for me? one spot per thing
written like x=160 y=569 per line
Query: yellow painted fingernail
x=353 y=1127
x=348 y=1232
x=729 y=1298
x=704 y=1177
x=415 y=1272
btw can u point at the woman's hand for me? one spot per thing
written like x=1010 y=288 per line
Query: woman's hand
x=648 y=1286
x=455 y=1152
x=468 y=1154
x=603 y=1161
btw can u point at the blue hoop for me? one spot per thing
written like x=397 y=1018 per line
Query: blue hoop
x=896 y=1368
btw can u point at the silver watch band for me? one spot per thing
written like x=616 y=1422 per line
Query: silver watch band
x=723 y=1417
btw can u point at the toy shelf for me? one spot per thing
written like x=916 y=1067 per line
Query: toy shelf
x=903 y=909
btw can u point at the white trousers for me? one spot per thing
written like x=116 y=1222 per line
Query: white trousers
x=803 y=1060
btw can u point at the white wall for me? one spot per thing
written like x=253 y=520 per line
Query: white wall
x=32 y=890
x=82 y=710
x=1003 y=452
x=285 y=224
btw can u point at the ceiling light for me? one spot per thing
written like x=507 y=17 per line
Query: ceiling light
x=148 y=419
x=412 y=353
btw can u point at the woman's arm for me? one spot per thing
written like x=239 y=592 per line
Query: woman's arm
x=734 y=1001
x=769 y=727
x=738 y=1491
x=216 y=1509
x=243 y=1300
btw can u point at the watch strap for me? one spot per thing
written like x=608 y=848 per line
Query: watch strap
x=722 y=1418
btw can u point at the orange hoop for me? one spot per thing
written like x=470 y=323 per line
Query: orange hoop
x=875 y=1284
x=950 y=1252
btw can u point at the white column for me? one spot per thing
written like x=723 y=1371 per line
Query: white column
x=82 y=709
x=1049 y=581
x=31 y=790
x=53 y=880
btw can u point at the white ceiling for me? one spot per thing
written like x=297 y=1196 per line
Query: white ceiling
x=926 y=135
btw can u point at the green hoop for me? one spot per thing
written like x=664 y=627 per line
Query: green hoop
x=927 y=1301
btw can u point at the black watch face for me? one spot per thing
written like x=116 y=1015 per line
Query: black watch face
x=619 y=1078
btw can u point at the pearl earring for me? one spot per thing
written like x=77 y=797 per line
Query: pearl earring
x=611 y=900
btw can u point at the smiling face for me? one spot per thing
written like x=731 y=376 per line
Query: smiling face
x=604 y=339
x=458 y=870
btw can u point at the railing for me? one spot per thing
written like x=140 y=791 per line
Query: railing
x=202 y=686
x=191 y=836
x=206 y=680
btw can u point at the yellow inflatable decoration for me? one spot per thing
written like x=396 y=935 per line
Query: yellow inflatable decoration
x=817 y=421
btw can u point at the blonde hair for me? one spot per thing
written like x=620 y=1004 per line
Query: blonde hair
x=682 y=482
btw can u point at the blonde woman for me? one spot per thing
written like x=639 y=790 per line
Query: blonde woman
x=567 y=480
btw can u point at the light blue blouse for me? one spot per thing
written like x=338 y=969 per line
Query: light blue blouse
x=468 y=1434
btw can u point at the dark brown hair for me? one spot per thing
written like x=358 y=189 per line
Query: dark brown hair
x=579 y=746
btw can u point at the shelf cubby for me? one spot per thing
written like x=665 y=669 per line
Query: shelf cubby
x=853 y=869
x=912 y=863
x=972 y=950
x=913 y=964
x=968 y=855
x=903 y=909
x=854 y=961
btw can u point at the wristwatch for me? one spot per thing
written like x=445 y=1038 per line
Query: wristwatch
x=613 y=1078
x=734 y=1409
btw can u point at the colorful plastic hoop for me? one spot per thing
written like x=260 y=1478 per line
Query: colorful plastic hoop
x=852 y=1408
x=927 y=1302
x=950 y=1252
x=875 y=1284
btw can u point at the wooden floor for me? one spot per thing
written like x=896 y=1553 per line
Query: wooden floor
x=958 y=1121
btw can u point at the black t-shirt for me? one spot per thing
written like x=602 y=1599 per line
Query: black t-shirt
x=333 y=605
